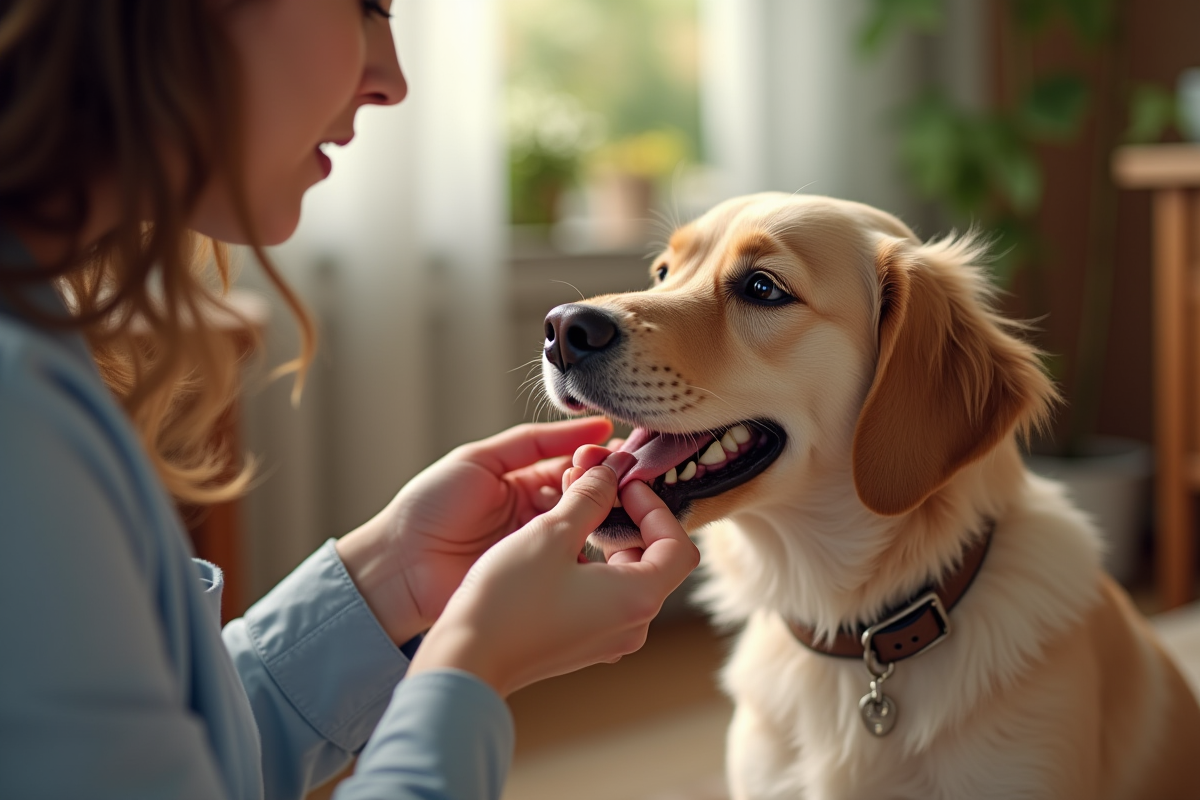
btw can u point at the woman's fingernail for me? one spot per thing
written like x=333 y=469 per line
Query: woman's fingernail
x=570 y=476
x=620 y=463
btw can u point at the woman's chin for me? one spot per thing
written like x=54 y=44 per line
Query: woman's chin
x=274 y=224
x=277 y=225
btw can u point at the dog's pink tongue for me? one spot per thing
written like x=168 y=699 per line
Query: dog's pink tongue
x=658 y=452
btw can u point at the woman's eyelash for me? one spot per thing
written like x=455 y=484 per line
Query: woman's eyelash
x=375 y=7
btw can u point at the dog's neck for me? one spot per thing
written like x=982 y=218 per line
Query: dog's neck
x=826 y=561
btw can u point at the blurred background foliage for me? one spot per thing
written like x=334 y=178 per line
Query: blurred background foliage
x=597 y=84
x=984 y=167
x=981 y=166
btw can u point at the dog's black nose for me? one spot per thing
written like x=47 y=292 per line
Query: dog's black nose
x=575 y=331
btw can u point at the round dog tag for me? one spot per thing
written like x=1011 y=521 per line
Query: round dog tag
x=879 y=715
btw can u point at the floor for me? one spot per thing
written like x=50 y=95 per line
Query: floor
x=676 y=753
x=652 y=727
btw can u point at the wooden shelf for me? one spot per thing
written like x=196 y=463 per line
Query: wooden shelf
x=1157 y=166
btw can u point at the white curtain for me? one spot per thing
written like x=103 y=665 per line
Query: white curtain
x=790 y=105
x=400 y=253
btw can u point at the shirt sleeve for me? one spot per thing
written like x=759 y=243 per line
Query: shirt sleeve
x=319 y=671
x=445 y=736
x=322 y=675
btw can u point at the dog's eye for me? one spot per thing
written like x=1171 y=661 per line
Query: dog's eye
x=660 y=274
x=762 y=287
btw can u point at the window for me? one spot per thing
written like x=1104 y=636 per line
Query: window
x=603 y=116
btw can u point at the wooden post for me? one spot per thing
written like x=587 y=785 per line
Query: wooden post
x=1172 y=173
x=1175 y=553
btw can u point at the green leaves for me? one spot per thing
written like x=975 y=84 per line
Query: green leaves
x=1054 y=106
x=888 y=17
x=1033 y=15
x=983 y=166
x=970 y=162
x=1152 y=109
x=1093 y=20
x=931 y=145
x=1012 y=165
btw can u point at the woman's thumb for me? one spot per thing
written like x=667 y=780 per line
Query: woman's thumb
x=588 y=500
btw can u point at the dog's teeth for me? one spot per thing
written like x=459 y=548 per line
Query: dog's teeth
x=739 y=434
x=729 y=443
x=671 y=477
x=689 y=471
x=715 y=454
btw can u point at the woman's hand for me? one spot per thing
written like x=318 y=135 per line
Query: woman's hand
x=410 y=557
x=528 y=609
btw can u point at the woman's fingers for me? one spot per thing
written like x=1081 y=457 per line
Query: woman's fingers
x=587 y=498
x=571 y=475
x=669 y=552
x=542 y=482
x=630 y=556
x=545 y=498
x=620 y=463
x=526 y=444
x=590 y=455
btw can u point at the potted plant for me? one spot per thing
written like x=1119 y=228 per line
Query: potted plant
x=623 y=179
x=548 y=135
x=981 y=168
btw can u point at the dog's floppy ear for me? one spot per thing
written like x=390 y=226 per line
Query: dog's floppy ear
x=951 y=379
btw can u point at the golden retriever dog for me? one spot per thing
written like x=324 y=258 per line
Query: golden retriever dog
x=834 y=408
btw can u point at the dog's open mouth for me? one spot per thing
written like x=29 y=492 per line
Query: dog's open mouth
x=681 y=468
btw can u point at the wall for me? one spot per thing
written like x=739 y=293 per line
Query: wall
x=1162 y=39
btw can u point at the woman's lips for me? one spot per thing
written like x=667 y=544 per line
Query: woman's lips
x=325 y=163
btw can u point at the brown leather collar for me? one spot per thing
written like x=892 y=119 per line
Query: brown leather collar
x=912 y=627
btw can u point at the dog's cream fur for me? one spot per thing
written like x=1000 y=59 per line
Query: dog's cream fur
x=902 y=394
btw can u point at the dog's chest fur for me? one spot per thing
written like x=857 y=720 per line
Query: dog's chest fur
x=801 y=708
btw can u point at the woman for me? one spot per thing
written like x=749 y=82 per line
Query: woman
x=131 y=131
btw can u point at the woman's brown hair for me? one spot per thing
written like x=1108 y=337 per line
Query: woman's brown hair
x=142 y=96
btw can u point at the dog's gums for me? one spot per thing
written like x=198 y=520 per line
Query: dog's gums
x=681 y=468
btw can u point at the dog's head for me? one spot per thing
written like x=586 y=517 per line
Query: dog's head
x=785 y=335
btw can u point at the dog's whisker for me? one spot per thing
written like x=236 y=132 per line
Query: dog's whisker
x=675 y=178
x=530 y=393
x=527 y=383
x=573 y=286
x=728 y=404
x=536 y=361
x=543 y=404
x=531 y=380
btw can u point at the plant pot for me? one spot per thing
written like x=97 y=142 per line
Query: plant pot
x=1110 y=482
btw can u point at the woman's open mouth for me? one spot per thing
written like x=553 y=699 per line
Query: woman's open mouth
x=681 y=468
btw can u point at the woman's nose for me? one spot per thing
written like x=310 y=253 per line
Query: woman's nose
x=383 y=81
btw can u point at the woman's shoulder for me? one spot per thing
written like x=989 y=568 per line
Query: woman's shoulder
x=67 y=444
x=34 y=357
x=51 y=392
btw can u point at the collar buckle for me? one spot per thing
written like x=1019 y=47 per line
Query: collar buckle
x=922 y=624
